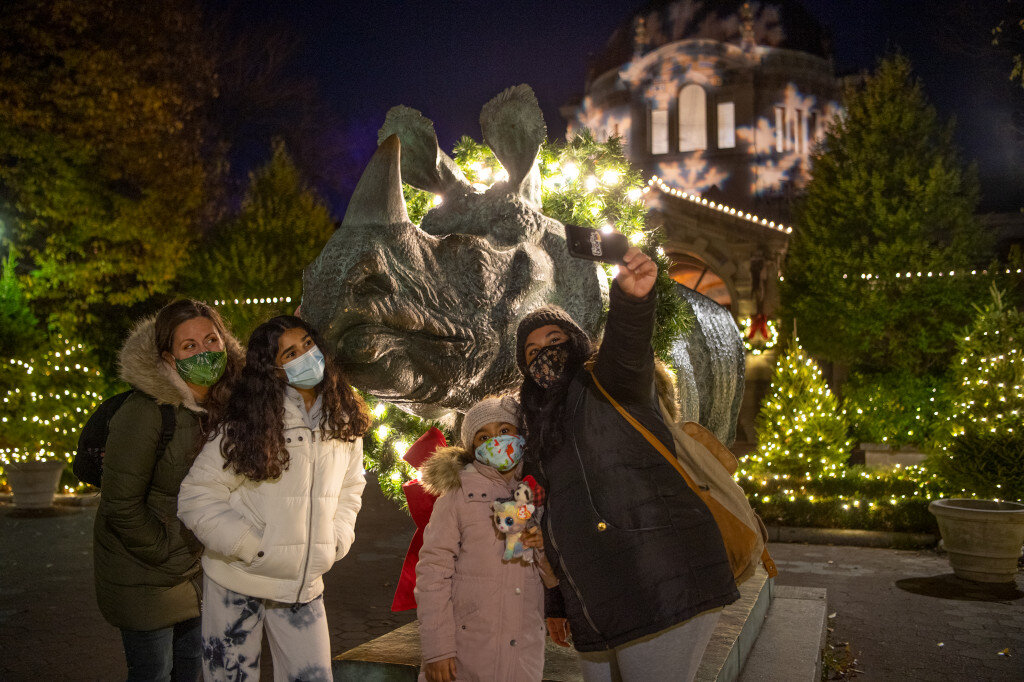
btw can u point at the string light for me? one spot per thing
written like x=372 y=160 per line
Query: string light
x=906 y=276
x=655 y=181
x=252 y=300
x=43 y=423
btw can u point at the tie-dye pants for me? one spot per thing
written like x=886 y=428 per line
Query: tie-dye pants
x=232 y=630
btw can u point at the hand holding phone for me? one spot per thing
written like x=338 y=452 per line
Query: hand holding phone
x=596 y=245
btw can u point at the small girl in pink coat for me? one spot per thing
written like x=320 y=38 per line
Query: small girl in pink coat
x=481 y=618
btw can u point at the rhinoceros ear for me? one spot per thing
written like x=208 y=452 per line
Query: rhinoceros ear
x=377 y=199
x=513 y=127
x=424 y=165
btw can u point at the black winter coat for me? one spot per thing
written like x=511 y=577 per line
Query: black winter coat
x=635 y=550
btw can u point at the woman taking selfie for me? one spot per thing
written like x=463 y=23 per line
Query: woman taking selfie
x=274 y=497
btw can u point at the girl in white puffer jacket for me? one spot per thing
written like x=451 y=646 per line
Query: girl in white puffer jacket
x=273 y=497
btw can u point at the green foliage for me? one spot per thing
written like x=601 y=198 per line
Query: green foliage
x=417 y=202
x=895 y=409
x=800 y=430
x=46 y=400
x=19 y=331
x=260 y=253
x=854 y=497
x=105 y=165
x=982 y=451
x=387 y=442
x=889 y=195
x=1008 y=34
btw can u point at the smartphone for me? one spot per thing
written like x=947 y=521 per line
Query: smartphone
x=591 y=244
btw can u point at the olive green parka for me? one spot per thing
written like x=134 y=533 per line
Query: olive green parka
x=148 y=574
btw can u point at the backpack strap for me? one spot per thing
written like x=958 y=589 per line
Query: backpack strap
x=167 y=424
x=704 y=495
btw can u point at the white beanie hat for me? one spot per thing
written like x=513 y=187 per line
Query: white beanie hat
x=501 y=409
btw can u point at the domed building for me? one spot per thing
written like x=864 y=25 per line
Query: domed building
x=719 y=103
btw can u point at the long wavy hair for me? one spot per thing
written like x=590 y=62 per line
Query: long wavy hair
x=167 y=321
x=253 y=427
x=542 y=411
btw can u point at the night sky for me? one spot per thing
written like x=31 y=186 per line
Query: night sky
x=448 y=58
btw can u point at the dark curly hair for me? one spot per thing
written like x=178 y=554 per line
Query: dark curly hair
x=164 y=326
x=253 y=428
x=542 y=411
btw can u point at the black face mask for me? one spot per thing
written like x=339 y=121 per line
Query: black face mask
x=548 y=366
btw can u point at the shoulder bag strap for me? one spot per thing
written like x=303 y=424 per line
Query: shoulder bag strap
x=766 y=558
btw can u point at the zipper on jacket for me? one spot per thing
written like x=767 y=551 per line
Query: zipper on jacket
x=554 y=546
x=309 y=519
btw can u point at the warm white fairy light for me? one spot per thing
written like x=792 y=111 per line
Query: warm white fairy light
x=252 y=300
x=49 y=420
x=655 y=181
x=923 y=274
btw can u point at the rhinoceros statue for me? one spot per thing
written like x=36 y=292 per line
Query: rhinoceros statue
x=425 y=317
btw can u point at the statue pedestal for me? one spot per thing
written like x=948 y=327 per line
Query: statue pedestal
x=396 y=655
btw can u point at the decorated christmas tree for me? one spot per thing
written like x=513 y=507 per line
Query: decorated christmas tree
x=982 y=451
x=800 y=430
x=46 y=401
x=257 y=256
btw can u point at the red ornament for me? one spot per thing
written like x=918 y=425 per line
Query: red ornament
x=421 y=504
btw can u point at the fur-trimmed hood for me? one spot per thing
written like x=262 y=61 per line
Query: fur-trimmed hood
x=441 y=473
x=140 y=365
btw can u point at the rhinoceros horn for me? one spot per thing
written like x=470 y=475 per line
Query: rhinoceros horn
x=377 y=199
x=424 y=165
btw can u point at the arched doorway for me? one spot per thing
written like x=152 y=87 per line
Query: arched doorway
x=691 y=271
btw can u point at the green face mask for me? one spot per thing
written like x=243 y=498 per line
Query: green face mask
x=203 y=369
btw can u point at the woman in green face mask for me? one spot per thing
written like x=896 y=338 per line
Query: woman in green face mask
x=182 y=364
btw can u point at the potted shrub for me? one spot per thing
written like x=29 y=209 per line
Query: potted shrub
x=981 y=453
x=47 y=398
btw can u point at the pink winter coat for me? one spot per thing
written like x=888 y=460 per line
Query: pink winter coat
x=487 y=613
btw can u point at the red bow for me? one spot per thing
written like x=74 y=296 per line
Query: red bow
x=759 y=328
x=421 y=504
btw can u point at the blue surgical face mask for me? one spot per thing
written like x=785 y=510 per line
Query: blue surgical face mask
x=307 y=370
x=501 y=452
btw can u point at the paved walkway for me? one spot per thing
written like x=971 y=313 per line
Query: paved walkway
x=907 y=617
x=903 y=614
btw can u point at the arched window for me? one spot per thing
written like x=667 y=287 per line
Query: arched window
x=693 y=113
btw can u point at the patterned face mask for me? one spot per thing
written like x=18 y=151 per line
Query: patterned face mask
x=203 y=369
x=548 y=365
x=501 y=452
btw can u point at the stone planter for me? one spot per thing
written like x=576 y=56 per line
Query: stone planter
x=34 y=484
x=982 y=537
x=879 y=456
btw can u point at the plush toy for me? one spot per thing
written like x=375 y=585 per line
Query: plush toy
x=529 y=492
x=511 y=517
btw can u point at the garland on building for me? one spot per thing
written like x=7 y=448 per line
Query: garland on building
x=583 y=182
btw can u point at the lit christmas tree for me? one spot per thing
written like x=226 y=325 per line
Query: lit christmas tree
x=982 y=453
x=46 y=402
x=800 y=429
